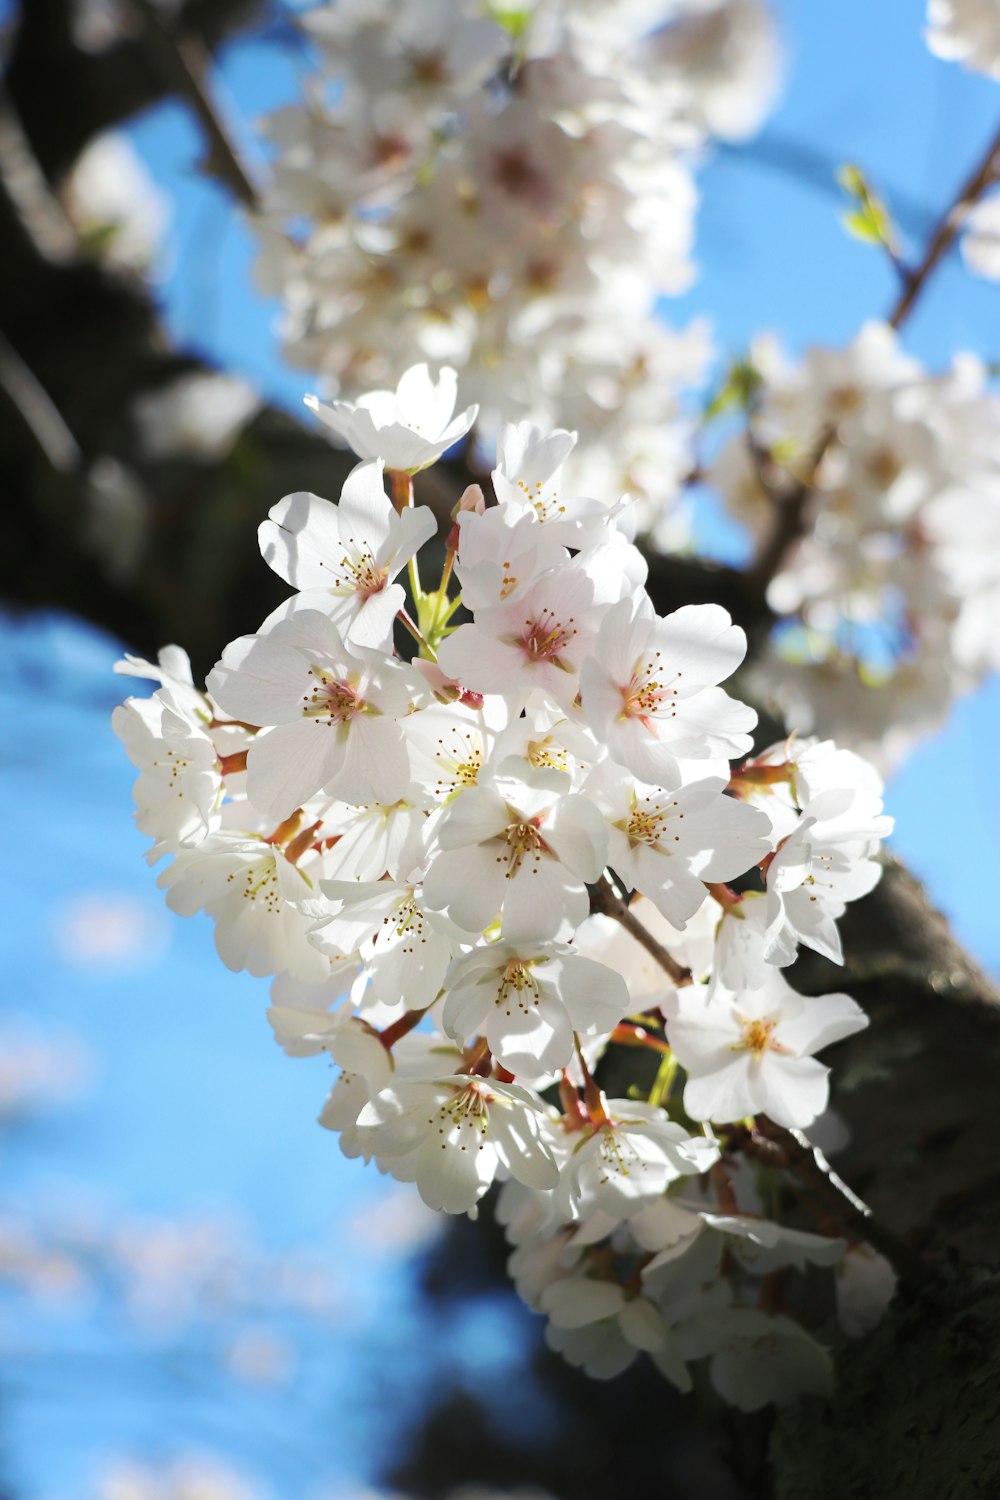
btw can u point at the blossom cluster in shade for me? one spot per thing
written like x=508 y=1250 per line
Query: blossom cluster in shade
x=887 y=601
x=479 y=874
x=508 y=188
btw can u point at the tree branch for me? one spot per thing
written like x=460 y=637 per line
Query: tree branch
x=605 y=902
x=183 y=62
x=947 y=229
x=790 y=509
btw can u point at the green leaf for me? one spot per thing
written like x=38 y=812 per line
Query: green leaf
x=868 y=218
x=739 y=386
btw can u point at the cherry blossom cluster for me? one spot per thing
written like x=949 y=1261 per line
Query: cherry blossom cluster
x=481 y=875
x=965 y=31
x=508 y=187
x=888 y=599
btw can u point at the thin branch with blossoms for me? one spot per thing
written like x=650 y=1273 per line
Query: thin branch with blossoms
x=790 y=521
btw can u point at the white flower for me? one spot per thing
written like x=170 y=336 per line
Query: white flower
x=751 y=1052
x=725 y=56
x=177 y=796
x=336 y=714
x=528 y=1000
x=761 y=1246
x=305 y=1017
x=408 y=428
x=528 y=476
x=597 y=1325
x=451 y=1135
x=667 y=844
x=528 y=483
x=524 y=847
x=628 y=1159
x=254 y=894
x=345 y=556
x=739 y=949
x=966 y=31
x=115 y=203
x=172 y=669
x=981 y=238
x=368 y=1066
x=817 y=869
x=372 y=840
x=196 y=416
x=406 y=949
x=756 y=1358
x=425 y=48
x=449 y=745
x=500 y=557
x=649 y=688
x=866 y=1284
x=536 y=639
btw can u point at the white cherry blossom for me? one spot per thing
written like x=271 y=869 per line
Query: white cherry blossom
x=373 y=839
x=408 y=428
x=449 y=746
x=667 y=844
x=501 y=555
x=535 y=640
x=756 y=1358
x=305 y=1017
x=649 y=688
x=343 y=558
x=528 y=1000
x=406 y=949
x=335 y=713
x=524 y=848
x=821 y=866
x=254 y=895
x=649 y=985
x=965 y=31
x=601 y=1328
x=179 y=791
x=751 y=1052
x=981 y=236
x=172 y=670
x=628 y=1159
x=451 y=1135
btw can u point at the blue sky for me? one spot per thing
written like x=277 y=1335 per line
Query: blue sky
x=190 y=1108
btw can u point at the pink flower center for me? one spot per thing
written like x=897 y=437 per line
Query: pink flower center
x=648 y=693
x=544 y=638
x=331 y=698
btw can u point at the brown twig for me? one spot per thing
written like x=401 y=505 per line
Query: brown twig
x=790 y=508
x=605 y=902
x=38 y=413
x=789 y=517
x=945 y=232
x=184 y=64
